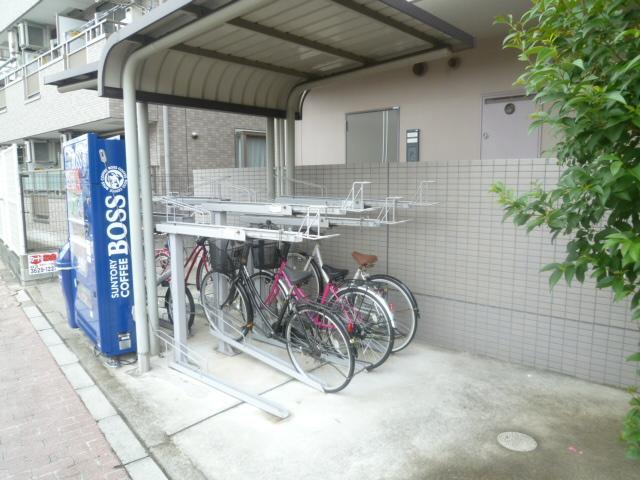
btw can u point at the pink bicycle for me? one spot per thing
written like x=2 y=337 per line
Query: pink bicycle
x=198 y=259
x=364 y=313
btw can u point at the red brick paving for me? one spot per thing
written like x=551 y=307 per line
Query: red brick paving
x=46 y=432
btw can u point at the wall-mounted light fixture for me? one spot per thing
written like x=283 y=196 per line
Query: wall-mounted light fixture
x=453 y=62
x=419 y=69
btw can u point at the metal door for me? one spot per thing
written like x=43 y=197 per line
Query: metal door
x=372 y=137
x=505 y=128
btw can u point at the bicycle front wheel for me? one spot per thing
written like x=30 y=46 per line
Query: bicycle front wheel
x=189 y=307
x=320 y=348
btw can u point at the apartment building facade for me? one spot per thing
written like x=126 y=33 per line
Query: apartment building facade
x=41 y=38
x=458 y=121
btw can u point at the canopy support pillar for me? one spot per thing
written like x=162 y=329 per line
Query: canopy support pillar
x=147 y=223
x=290 y=150
x=270 y=160
x=135 y=219
x=138 y=210
x=167 y=150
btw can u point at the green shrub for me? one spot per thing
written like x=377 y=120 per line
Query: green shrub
x=583 y=65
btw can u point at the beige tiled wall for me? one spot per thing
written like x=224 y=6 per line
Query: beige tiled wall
x=477 y=279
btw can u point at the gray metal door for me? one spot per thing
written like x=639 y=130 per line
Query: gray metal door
x=505 y=128
x=372 y=137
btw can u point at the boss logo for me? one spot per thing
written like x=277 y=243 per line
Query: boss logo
x=116 y=215
x=113 y=179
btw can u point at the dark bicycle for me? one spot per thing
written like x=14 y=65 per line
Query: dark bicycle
x=317 y=342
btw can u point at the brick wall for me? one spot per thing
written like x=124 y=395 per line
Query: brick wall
x=215 y=143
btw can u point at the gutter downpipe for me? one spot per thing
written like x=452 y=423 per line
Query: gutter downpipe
x=147 y=223
x=293 y=102
x=129 y=75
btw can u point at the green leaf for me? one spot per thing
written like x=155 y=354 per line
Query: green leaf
x=615 y=167
x=634 y=358
x=551 y=266
x=605 y=282
x=568 y=274
x=579 y=63
x=580 y=272
x=635 y=171
x=554 y=278
x=616 y=97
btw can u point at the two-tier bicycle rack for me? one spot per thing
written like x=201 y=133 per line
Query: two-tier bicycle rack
x=299 y=219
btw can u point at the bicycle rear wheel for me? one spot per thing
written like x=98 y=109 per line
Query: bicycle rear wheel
x=226 y=305
x=403 y=306
x=368 y=324
x=319 y=347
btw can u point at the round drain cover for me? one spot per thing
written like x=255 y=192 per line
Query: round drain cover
x=517 y=441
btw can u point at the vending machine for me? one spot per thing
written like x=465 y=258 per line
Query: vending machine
x=98 y=215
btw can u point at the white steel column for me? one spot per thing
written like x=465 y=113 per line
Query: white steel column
x=148 y=224
x=276 y=156
x=270 y=160
x=167 y=150
x=290 y=149
x=135 y=219
x=129 y=73
x=179 y=314
x=282 y=174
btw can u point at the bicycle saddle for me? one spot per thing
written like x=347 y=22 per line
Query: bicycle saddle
x=364 y=260
x=298 y=276
x=335 y=274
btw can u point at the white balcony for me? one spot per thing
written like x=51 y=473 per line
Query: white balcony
x=29 y=108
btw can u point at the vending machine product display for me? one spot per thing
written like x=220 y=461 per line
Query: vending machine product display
x=98 y=215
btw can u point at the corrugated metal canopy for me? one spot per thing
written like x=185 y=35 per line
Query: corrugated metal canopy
x=252 y=63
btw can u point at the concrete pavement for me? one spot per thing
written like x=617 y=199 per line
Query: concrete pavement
x=46 y=432
x=426 y=414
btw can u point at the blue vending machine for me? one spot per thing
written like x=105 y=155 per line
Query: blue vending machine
x=96 y=177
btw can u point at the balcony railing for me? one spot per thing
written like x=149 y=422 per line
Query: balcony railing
x=73 y=52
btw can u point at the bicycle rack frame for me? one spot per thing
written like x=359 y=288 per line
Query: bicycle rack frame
x=182 y=353
x=355 y=197
x=308 y=214
x=421 y=194
x=190 y=363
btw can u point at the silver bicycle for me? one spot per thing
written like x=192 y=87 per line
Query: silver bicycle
x=398 y=296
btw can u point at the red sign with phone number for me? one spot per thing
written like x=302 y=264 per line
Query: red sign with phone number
x=40 y=263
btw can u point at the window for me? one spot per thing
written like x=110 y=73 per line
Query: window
x=42 y=153
x=373 y=136
x=251 y=148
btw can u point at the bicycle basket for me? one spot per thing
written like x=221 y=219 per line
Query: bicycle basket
x=226 y=257
x=266 y=255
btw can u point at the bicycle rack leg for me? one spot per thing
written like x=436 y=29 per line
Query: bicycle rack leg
x=257 y=401
x=269 y=359
x=178 y=292
x=220 y=218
